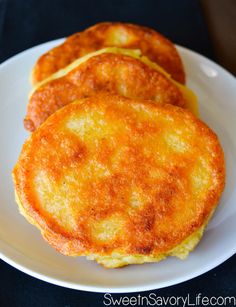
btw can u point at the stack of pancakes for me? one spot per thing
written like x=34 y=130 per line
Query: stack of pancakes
x=118 y=167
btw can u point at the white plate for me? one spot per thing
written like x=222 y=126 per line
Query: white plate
x=21 y=244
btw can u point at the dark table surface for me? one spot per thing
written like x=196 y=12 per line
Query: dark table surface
x=24 y=24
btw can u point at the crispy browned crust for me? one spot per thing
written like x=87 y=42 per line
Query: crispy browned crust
x=152 y=44
x=133 y=148
x=109 y=72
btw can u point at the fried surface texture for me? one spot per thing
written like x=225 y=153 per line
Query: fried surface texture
x=120 y=181
x=152 y=44
x=114 y=72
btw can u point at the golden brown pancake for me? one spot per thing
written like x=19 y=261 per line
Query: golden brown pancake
x=120 y=180
x=152 y=44
x=115 y=71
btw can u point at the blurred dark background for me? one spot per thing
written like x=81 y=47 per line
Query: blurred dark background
x=28 y=23
x=208 y=27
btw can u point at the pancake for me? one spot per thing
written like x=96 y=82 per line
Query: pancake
x=119 y=71
x=152 y=44
x=120 y=180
